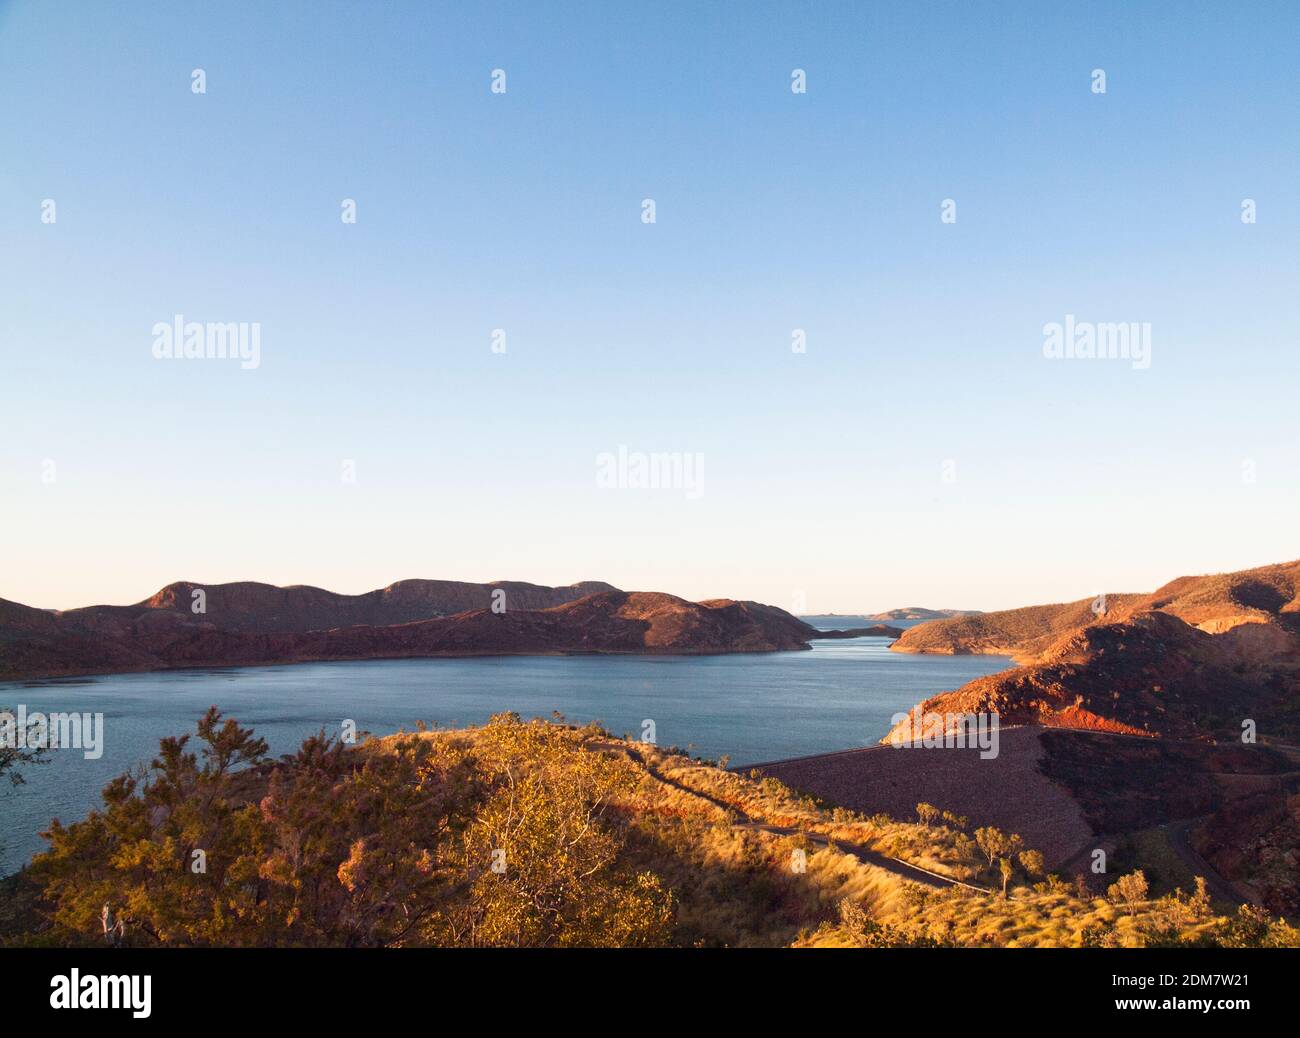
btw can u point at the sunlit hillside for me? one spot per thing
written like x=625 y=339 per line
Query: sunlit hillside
x=540 y=833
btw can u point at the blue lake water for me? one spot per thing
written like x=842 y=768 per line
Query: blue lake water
x=752 y=708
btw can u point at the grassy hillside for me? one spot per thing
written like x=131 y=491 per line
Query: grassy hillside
x=540 y=833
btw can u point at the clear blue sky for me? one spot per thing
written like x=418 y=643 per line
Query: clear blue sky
x=522 y=211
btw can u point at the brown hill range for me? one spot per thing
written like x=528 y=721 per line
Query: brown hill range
x=249 y=623
x=1268 y=596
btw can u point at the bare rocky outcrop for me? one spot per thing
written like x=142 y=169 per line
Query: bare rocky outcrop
x=1150 y=675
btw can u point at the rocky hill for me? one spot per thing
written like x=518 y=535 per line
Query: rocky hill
x=1153 y=674
x=921 y=613
x=245 y=624
x=1268 y=596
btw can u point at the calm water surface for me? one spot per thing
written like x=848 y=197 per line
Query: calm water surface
x=752 y=708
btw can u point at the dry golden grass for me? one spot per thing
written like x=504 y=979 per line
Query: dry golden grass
x=721 y=859
x=717 y=863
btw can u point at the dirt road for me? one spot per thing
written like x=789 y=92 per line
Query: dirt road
x=903 y=869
